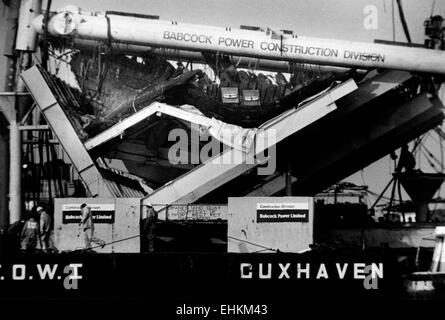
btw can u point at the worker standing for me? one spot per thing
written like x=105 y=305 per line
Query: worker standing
x=406 y=161
x=30 y=234
x=45 y=228
x=149 y=228
x=87 y=226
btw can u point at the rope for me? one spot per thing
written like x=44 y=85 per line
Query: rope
x=432 y=156
x=109 y=243
x=254 y=244
x=429 y=161
x=263 y=248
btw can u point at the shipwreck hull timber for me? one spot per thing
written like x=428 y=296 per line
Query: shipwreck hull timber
x=254 y=116
x=108 y=81
x=114 y=86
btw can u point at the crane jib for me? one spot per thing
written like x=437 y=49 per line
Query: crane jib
x=272 y=45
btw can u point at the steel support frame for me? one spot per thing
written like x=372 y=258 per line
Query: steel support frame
x=65 y=133
x=154 y=108
x=221 y=168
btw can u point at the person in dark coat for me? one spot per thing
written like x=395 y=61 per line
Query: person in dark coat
x=30 y=234
x=148 y=229
x=14 y=234
x=406 y=161
x=45 y=228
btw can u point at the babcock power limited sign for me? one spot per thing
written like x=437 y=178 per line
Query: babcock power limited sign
x=102 y=213
x=283 y=212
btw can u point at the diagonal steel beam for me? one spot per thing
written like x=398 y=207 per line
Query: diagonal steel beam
x=221 y=168
x=154 y=108
x=65 y=133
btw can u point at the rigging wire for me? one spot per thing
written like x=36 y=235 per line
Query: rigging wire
x=263 y=248
x=254 y=244
x=441 y=160
x=364 y=183
x=432 y=165
x=431 y=155
x=393 y=22
x=433 y=6
x=403 y=21
x=415 y=150
x=382 y=197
